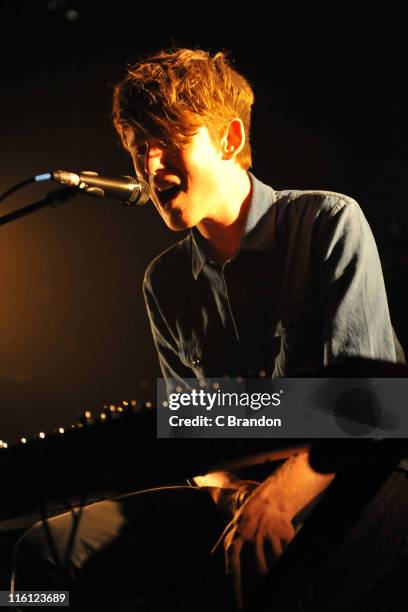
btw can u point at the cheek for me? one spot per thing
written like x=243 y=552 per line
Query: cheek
x=204 y=174
x=208 y=181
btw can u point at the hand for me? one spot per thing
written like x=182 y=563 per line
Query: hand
x=253 y=541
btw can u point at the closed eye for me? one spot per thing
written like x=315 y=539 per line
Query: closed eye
x=141 y=149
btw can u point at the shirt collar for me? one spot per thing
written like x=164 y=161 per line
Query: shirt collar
x=263 y=197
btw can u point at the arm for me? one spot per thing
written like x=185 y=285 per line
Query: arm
x=356 y=323
x=351 y=287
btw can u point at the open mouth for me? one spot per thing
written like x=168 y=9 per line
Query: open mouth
x=166 y=195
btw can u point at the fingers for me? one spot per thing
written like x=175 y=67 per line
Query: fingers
x=272 y=548
x=232 y=552
x=250 y=553
x=222 y=537
x=246 y=565
x=262 y=565
x=233 y=570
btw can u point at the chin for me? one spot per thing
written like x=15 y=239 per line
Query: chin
x=178 y=223
x=177 y=228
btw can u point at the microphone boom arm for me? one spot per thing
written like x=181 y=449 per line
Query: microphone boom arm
x=59 y=196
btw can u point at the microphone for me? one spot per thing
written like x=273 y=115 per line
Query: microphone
x=130 y=190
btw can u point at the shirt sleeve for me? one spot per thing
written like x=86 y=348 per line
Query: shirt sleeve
x=166 y=345
x=357 y=320
x=351 y=288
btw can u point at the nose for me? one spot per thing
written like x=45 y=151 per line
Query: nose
x=153 y=160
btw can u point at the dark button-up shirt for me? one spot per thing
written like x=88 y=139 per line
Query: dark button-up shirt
x=304 y=290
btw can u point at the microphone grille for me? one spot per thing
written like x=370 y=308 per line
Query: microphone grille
x=140 y=195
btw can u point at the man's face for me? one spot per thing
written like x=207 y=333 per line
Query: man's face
x=185 y=184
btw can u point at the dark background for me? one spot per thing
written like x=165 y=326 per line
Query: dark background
x=330 y=113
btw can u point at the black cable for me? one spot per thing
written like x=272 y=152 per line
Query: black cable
x=8 y=193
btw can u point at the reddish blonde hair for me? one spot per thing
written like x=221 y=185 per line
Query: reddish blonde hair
x=172 y=94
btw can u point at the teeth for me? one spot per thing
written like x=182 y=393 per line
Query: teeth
x=166 y=187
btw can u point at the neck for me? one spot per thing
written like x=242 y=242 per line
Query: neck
x=224 y=230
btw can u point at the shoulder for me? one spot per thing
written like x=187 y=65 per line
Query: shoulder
x=169 y=265
x=317 y=214
x=297 y=202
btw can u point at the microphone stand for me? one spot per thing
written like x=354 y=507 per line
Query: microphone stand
x=59 y=196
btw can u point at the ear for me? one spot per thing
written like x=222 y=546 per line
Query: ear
x=233 y=140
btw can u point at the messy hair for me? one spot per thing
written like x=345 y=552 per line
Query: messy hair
x=172 y=94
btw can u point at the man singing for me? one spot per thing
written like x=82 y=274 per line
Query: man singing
x=265 y=281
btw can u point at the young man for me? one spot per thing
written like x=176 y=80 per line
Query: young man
x=265 y=281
